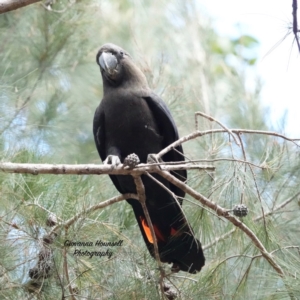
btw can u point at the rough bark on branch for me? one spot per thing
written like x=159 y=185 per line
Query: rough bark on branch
x=92 y=169
x=224 y=213
x=9 y=5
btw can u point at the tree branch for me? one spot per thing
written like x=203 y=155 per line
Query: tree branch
x=195 y=134
x=210 y=118
x=269 y=213
x=9 y=5
x=142 y=198
x=163 y=170
x=103 y=204
x=142 y=168
x=278 y=207
x=92 y=169
x=224 y=213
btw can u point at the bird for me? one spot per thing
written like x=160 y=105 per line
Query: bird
x=131 y=118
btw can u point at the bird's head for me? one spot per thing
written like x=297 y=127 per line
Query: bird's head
x=117 y=67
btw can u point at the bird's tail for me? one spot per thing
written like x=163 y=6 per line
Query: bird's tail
x=176 y=241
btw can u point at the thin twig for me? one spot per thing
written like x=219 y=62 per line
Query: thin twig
x=256 y=186
x=193 y=135
x=140 y=189
x=203 y=207
x=273 y=211
x=93 y=208
x=67 y=271
x=163 y=186
x=171 y=193
x=283 y=204
x=245 y=276
x=239 y=255
x=224 y=213
x=210 y=118
x=285 y=248
x=205 y=160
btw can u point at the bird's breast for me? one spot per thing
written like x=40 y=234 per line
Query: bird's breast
x=131 y=127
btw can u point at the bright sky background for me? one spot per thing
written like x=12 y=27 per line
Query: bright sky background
x=268 y=22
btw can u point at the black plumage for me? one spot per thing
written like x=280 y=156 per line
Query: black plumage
x=133 y=119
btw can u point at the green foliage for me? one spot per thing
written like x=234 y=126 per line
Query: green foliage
x=50 y=87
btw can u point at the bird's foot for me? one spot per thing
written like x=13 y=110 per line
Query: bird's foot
x=131 y=161
x=112 y=160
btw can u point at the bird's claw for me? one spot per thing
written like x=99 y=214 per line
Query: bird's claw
x=112 y=160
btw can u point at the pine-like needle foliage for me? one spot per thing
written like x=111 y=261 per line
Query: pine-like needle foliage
x=50 y=87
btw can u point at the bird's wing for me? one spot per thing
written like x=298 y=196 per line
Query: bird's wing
x=168 y=131
x=99 y=136
x=99 y=132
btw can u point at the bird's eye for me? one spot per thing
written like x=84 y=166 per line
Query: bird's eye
x=122 y=53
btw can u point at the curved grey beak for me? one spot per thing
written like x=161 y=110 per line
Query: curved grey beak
x=108 y=62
